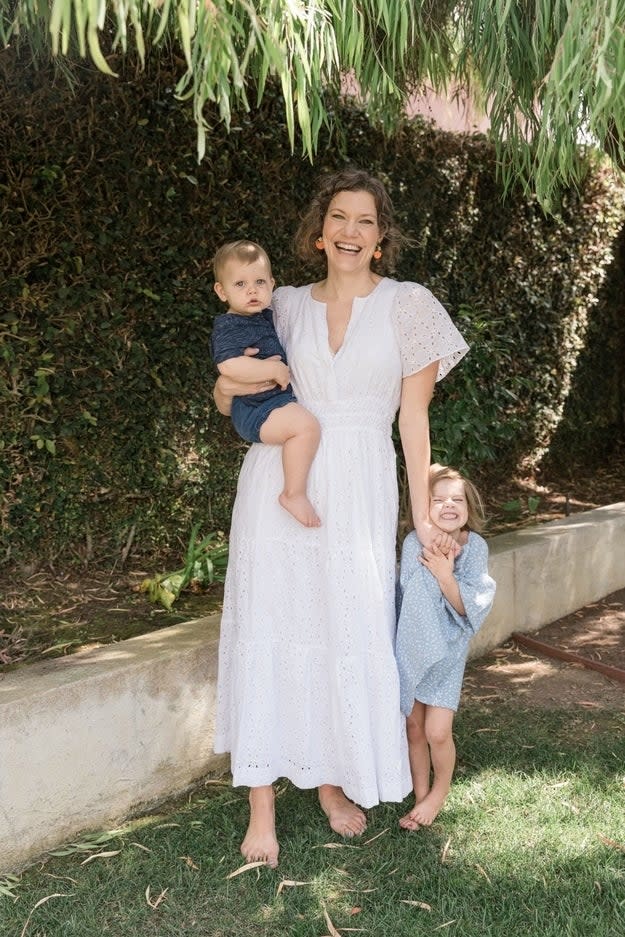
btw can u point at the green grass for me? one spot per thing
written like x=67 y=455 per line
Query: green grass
x=531 y=843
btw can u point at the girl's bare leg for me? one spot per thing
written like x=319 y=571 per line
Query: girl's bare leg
x=344 y=816
x=297 y=431
x=419 y=755
x=260 y=843
x=438 y=730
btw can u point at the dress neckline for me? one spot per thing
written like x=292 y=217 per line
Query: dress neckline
x=357 y=302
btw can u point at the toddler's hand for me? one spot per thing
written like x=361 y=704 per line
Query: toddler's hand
x=281 y=374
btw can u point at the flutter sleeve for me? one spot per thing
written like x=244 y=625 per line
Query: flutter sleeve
x=280 y=303
x=477 y=588
x=425 y=331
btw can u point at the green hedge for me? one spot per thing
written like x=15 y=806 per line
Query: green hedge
x=107 y=225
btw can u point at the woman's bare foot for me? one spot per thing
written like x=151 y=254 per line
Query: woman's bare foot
x=301 y=509
x=344 y=816
x=260 y=843
x=425 y=812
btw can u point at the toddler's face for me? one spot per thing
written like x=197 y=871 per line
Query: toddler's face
x=246 y=288
x=448 y=505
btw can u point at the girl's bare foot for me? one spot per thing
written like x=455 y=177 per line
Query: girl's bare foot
x=301 y=509
x=408 y=822
x=260 y=843
x=344 y=816
x=426 y=811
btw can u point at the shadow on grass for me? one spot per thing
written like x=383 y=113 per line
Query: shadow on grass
x=531 y=841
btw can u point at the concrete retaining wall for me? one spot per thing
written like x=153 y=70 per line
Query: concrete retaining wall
x=89 y=738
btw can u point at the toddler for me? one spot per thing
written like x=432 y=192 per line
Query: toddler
x=244 y=281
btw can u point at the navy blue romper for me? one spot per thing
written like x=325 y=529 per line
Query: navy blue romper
x=232 y=334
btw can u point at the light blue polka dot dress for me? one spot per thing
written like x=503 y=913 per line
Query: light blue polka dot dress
x=432 y=639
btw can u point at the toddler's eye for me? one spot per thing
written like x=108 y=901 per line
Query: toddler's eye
x=260 y=282
x=239 y=283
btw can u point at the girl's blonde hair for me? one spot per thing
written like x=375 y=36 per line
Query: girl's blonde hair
x=475 y=507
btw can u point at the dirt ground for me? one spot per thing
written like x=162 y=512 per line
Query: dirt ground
x=513 y=673
x=47 y=612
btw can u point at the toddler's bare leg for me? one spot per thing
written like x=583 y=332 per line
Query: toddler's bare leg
x=438 y=731
x=419 y=755
x=297 y=431
x=344 y=816
x=260 y=843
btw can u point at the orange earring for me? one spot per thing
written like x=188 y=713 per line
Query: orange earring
x=377 y=252
x=319 y=244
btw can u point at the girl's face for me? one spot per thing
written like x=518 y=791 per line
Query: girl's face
x=350 y=231
x=448 y=505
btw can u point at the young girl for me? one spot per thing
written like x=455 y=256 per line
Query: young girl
x=444 y=600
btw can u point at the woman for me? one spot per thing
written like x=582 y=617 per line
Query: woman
x=308 y=686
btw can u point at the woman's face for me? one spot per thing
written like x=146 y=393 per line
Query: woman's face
x=351 y=231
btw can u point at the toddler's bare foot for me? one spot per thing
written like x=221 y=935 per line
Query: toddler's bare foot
x=426 y=811
x=408 y=822
x=344 y=816
x=301 y=509
x=260 y=843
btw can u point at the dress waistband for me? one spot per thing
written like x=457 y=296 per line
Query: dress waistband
x=361 y=413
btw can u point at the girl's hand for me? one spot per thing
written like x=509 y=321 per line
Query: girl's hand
x=441 y=565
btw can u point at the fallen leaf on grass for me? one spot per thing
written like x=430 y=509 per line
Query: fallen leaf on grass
x=38 y=905
x=101 y=855
x=289 y=883
x=337 y=846
x=154 y=903
x=446 y=924
x=482 y=872
x=331 y=927
x=189 y=861
x=355 y=911
x=140 y=846
x=416 y=904
x=246 y=868
x=612 y=843
x=377 y=836
x=445 y=850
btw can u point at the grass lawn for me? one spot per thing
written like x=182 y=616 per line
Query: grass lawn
x=531 y=843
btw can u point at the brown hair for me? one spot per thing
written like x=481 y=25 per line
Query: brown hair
x=475 y=507
x=246 y=252
x=349 y=180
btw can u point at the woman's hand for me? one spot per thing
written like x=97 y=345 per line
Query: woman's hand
x=430 y=536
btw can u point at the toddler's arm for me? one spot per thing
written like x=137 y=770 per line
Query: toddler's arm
x=249 y=370
x=442 y=568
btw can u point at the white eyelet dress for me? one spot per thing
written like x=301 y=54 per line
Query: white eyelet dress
x=308 y=686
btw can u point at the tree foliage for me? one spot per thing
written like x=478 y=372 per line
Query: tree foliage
x=550 y=74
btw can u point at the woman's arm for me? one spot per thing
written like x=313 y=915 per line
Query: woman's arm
x=414 y=430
